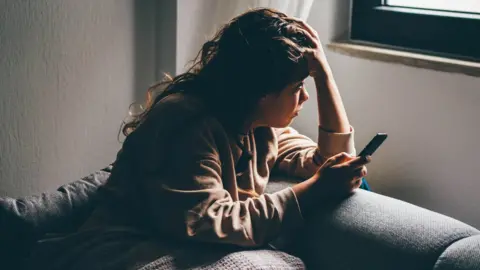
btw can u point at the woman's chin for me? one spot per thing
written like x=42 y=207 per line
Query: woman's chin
x=282 y=124
x=288 y=122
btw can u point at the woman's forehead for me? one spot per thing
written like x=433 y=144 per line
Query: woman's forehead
x=296 y=83
x=290 y=86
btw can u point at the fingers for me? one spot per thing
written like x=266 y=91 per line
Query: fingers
x=358 y=161
x=356 y=184
x=308 y=31
x=343 y=172
x=356 y=181
x=352 y=177
x=338 y=159
x=360 y=172
x=314 y=40
x=307 y=27
x=356 y=175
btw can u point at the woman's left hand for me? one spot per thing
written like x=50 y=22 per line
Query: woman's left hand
x=317 y=61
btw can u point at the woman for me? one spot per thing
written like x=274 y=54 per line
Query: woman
x=195 y=163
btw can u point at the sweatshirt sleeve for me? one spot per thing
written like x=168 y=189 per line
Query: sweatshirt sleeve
x=190 y=200
x=300 y=156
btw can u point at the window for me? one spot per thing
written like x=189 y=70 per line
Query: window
x=437 y=27
x=470 y=6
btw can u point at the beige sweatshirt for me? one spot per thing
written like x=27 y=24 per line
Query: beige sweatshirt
x=181 y=163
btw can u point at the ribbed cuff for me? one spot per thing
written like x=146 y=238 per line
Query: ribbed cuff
x=332 y=143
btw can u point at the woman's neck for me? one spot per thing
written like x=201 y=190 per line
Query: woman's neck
x=250 y=125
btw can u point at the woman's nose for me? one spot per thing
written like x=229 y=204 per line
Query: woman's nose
x=305 y=95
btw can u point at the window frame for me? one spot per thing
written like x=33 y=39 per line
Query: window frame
x=433 y=32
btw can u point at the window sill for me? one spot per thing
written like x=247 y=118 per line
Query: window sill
x=407 y=58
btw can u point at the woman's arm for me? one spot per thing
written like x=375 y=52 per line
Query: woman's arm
x=331 y=112
x=332 y=116
x=190 y=196
x=300 y=156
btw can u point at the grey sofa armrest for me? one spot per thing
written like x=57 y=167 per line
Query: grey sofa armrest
x=372 y=231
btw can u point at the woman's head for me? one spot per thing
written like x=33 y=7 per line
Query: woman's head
x=252 y=59
x=250 y=70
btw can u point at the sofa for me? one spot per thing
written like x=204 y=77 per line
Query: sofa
x=364 y=231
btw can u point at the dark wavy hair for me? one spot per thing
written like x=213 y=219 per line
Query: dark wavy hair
x=256 y=53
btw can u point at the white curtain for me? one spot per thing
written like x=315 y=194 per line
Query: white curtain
x=199 y=19
x=295 y=8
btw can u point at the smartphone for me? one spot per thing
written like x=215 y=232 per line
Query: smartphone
x=373 y=145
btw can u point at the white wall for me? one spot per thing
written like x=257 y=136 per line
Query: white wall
x=431 y=156
x=68 y=71
x=165 y=38
x=197 y=22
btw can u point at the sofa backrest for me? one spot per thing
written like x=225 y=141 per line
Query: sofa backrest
x=23 y=220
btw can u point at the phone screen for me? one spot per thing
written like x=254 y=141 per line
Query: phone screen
x=373 y=145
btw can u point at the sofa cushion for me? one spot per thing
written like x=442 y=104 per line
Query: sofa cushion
x=461 y=255
x=209 y=259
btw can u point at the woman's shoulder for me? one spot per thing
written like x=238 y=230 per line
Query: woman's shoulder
x=180 y=111
x=179 y=104
x=176 y=107
x=175 y=118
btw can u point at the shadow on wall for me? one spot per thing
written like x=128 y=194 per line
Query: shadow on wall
x=340 y=19
x=144 y=47
x=398 y=187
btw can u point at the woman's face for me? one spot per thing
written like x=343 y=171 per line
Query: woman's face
x=279 y=109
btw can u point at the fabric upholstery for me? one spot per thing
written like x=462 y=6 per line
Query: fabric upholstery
x=461 y=255
x=206 y=259
x=365 y=231
x=393 y=234
x=22 y=220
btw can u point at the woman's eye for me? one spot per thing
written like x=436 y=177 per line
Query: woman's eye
x=300 y=87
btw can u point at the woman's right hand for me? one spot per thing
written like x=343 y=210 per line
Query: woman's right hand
x=340 y=175
x=336 y=178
